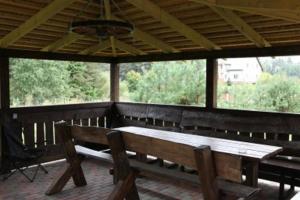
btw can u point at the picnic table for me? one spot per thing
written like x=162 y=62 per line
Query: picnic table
x=250 y=153
x=211 y=157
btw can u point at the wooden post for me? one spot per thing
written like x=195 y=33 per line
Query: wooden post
x=73 y=169
x=122 y=170
x=4 y=98
x=211 y=83
x=207 y=172
x=114 y=81
x=251 y=173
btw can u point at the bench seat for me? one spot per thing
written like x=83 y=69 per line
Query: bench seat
x=229 y=188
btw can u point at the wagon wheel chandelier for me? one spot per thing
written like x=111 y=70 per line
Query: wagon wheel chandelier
x=101 y=27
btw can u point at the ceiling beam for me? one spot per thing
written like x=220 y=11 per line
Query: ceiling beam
x=238 y=23
x=283 y=14
x=43 y=15
x=174 y=23
x=128 y=48
x=64 y=41
x=96 y=48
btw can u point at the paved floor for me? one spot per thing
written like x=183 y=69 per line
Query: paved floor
x=100 y=185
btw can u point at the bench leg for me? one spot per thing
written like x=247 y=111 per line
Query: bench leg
x=124 y=175
x=282 y=194
x=252 y=174
x=207 y=173
x=74 y=169
x=281 y=187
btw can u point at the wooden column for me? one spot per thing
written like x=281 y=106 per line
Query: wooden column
x=211 y=83
x=4 y=97
x=114 y=81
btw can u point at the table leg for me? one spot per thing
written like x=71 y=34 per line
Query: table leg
x=252 y=174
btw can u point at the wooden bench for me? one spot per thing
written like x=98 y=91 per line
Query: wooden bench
x=147 y=170
x=251 y=127
x=124 y=170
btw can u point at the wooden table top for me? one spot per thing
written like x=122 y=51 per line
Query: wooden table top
x=244 y=149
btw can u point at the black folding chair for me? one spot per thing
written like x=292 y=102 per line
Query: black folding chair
x=19 y=156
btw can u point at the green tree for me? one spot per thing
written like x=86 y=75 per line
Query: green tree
x=181 y=82
x=278 y=93
x=35 y=82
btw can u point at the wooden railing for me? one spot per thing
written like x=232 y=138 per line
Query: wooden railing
x=259 y=127
x=38 y=123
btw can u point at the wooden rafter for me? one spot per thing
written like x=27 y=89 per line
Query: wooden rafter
x=96 y=48
x=39 y=18
x=151 y=40
x=171 y=21
x=128 y=48
x=238 y=23
x=66 y=40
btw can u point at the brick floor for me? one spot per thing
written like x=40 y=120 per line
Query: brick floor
x=100 y=185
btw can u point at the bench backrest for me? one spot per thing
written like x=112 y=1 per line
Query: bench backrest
x=274 y=130
x=265 y=128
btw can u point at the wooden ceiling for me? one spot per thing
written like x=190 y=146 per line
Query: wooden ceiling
x=160 y=26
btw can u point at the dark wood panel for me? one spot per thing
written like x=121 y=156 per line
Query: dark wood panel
x=225 y=53
x=53 y=56
x=29 y=134
x=164 y=113
x=49 y=132
x=40 y=134
x=132 y=110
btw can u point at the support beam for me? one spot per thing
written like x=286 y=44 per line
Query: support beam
x=238 y=23
x=211 y=83
x=128 y=48
x=42 y=16
x=114 y=81
x=174 y=23
x=66 y=40
x=96 y=48
x=108 y=16
x=5 y=101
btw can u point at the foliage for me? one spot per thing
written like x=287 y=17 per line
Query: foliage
x=169 y=83
x=40 y=82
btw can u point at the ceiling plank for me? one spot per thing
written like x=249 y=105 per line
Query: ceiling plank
x=171 y=21
x=96 y=48
x=151 y=40
x=64 y=41
x=128 y=48
x=283 y=14
x=42 y=16
x=238 y=23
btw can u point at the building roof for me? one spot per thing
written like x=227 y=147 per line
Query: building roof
x=160 y=26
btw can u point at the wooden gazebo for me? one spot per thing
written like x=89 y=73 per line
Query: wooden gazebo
x=163 y=31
